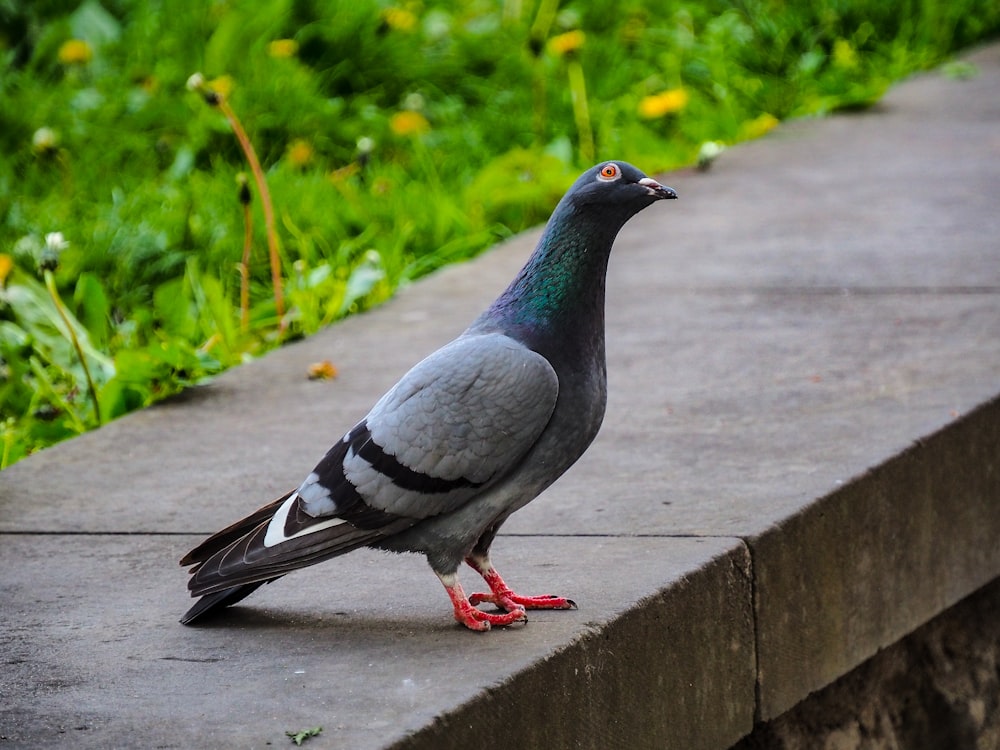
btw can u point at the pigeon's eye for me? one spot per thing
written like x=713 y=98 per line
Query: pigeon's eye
x=610 y=172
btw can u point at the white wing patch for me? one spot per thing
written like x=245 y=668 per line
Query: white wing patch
x=276 y=528
x=316 y=500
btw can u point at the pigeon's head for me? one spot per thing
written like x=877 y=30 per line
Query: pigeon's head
x=616 y=187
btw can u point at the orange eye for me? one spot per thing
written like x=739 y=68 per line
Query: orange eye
x=609 y=171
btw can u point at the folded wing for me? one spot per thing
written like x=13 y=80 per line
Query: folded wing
x=451 y=428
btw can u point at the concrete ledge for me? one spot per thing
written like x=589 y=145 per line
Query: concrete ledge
x=939 y=687
x=103 y=663
x=658 y=675
x=799 y=466
x=858 y=570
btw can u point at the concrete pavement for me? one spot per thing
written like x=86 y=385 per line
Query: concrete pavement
x=800 y=464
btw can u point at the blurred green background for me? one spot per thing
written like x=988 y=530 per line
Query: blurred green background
x=395 y=138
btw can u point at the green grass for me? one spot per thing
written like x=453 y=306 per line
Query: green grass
x=395 y=139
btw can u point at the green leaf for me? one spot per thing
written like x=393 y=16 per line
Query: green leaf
x=183 y=163
x=12 y=336
x=216 y=314
x=36 y=313
x=93 y=307
x=362 y=280
x=172 y=309
x=119 y=397
x=94 y=24
x=299 y=737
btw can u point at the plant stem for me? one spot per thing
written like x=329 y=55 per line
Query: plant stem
x=538 y=100
x=265 y=199
x=8 y=442
x=537 y=35
x=544 y=17
x=245 y=261
x=50 y=283
x=581 y=110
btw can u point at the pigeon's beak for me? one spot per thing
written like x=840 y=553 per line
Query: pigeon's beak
x=656 y=189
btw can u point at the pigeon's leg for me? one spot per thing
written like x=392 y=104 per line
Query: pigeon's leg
x=468 y=615
x=501 y=595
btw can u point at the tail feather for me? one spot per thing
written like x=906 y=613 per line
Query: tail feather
x=222 y=539
x=247 y=560
x=235 y=562
x=213 y=604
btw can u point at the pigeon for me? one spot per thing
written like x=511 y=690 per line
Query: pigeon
x=468 y=436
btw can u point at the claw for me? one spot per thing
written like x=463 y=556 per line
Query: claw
x=501 y=595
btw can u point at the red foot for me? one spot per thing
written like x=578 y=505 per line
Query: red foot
x=475 y=619
x=510 y=600
x=501 y=595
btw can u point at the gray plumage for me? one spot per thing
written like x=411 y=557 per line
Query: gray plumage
x=468 y=436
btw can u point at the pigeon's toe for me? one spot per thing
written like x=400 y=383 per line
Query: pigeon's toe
x=503 y=597
x=510 y=601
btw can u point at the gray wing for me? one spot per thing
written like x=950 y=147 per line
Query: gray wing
x=455 y=423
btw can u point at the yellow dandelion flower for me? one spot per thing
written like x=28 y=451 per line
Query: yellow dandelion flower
x=283 y=48
x=6 y=266
x=324 y=370
x=409 y=122
x=758 y=126
x=223 y=85
x=75 y=52
x=664 y=103
x=564 y=44
x=399 y=19
x=299 y=153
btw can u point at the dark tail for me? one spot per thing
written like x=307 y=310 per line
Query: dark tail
x=212 y=604
x=233 y=563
